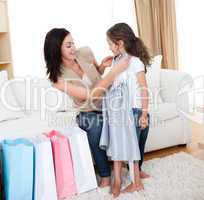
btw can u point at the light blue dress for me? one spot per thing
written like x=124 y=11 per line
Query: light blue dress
x=118 y=136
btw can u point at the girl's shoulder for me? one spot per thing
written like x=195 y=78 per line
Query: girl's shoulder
x=136 y=60
x=136 y=65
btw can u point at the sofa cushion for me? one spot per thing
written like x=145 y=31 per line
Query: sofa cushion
x=6 y=114
x=153 y=80
x=163 y=111
x=8 y=106
x=39 y=96
x=27 y=92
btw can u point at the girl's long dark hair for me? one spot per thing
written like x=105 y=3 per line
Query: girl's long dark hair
x=52 y=52
x=132 y=44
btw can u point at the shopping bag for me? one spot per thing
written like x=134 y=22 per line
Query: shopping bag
x=18 y=163
x=1 y=175
x=85 y=177
x=44 y=184
x=64 y=172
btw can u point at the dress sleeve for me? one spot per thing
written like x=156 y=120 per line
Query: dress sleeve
x=136 y=65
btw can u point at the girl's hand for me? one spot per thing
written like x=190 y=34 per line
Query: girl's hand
x=143 y=121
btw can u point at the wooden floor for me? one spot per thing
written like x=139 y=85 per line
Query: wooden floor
x=193 y=148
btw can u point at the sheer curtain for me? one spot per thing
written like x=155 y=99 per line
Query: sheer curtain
x=87 y=20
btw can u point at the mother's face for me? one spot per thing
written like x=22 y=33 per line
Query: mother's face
x=68 y=48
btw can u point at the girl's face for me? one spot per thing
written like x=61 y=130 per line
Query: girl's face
x=113 y=47
x=68 y=48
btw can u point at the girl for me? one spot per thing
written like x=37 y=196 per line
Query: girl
x=125 y=100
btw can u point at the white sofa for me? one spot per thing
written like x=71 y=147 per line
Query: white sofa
x=169 y=126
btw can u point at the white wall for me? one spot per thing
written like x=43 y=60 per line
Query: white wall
x=87 y=20
x=190 y=14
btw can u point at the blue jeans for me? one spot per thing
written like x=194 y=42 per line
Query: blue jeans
x=92 y=123
x=141 y=133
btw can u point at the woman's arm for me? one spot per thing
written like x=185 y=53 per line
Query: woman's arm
x=72 y=90
x=82 y=93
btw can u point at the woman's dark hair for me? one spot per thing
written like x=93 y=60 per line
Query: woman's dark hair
x=52 y=52
x=132 y=44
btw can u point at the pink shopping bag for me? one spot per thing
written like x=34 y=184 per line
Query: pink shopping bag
x=64 y=172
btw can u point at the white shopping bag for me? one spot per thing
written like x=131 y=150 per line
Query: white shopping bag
x=84 y=173
x=45 y=187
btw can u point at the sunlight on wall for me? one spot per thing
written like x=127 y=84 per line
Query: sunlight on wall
x=87 y=20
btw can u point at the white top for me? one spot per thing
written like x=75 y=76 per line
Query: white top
x=130 y=74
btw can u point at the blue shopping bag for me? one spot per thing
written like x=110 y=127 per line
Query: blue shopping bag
x=18 y=172
x=1 y=176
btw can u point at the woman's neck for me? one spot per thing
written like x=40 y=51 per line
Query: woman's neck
x=70 y=64
x=73 y=65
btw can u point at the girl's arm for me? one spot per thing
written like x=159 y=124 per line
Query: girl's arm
x=83 y=93
x=144 y=98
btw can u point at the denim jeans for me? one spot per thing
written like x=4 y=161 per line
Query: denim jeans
x=141 y=133
x=92 y=123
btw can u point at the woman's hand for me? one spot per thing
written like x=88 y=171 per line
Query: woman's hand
x=143 y=121
x=106 y=62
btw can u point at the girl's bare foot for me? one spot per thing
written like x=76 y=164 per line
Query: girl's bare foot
x=133 y=187
x=115 y=190
x=144 y=175
x=105 y=182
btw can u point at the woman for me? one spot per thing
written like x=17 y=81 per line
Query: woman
x=77 y=73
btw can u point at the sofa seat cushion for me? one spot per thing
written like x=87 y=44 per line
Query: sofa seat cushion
x=163 y=111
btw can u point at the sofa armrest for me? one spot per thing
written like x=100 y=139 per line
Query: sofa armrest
x=175 y=87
